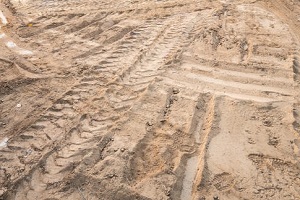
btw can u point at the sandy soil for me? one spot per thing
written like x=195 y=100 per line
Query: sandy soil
x=140 y=99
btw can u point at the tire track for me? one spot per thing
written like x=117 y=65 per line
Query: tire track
x=58 y=117
x=67 y=112
x=211 y=74
x=148 y=99
x=195 y=164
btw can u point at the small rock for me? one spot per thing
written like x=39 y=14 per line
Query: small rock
x=253 y=118
x=163 y=120
x=28 y=151
x=149 y=123
x=273 y=141
x=168 y=193
x=19 y=105
x=251 y=141
x=256 y=192
x=267 y=123
x=216 y=198
x=175 y=91
x=111 y=175
x=123 y=149
x=3 y=143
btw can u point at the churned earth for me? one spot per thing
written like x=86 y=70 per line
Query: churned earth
x=149 y=99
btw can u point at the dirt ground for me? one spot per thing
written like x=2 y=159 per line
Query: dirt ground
x=149 y=99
